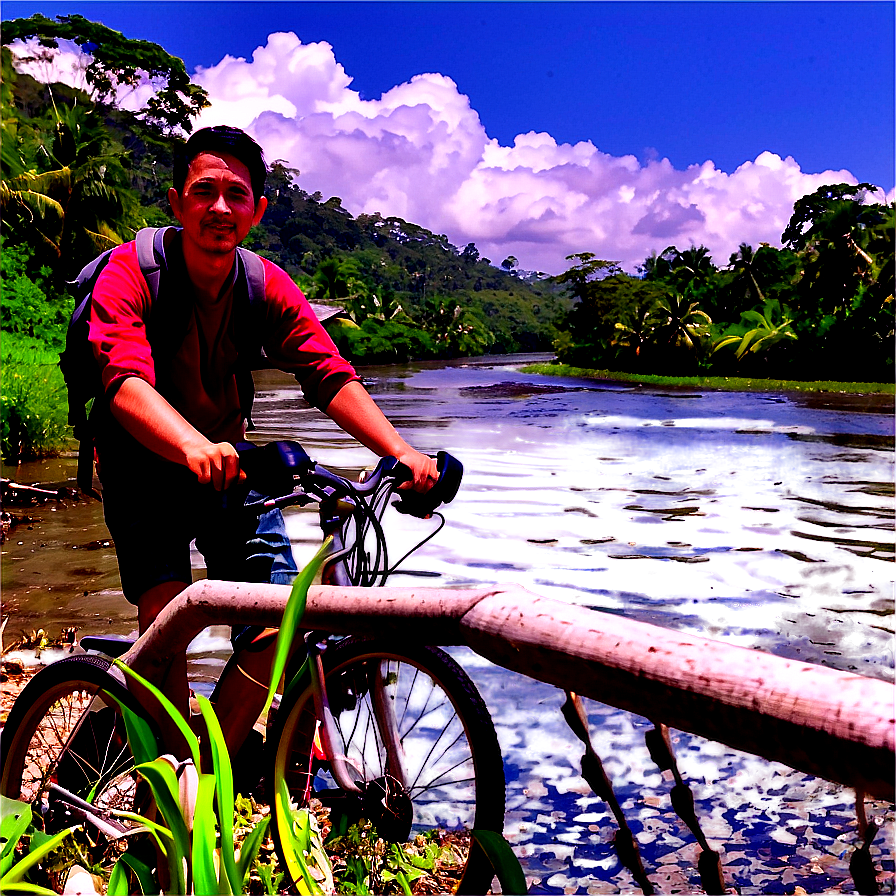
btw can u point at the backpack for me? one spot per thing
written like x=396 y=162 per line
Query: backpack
x=165 y=331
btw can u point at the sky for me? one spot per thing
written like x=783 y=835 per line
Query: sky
x=543 y=129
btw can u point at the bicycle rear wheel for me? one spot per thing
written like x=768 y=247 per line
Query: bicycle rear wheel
x=440 y=771
x=65 y=735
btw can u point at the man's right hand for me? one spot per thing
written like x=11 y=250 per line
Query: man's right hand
x=147 y=416
x=216 y=463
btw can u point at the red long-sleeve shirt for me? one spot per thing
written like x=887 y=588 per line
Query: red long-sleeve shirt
x=202 y=386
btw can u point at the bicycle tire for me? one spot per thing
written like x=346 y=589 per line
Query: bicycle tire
x=430 y=688
x=65 y=728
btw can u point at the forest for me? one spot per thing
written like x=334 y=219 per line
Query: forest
x=80 y=174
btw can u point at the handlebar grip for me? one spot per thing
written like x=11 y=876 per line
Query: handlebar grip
x=274 y=469
x=422 y=504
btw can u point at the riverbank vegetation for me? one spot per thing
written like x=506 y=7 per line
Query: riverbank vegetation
x=820 y=308
x=719 y=383
x=79 y=174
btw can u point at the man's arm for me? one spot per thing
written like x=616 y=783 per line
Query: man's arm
x=150 y=419
x=355 y=411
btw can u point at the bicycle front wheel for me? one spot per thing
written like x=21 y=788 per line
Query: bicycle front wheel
x=419 y=735
x=65 y=735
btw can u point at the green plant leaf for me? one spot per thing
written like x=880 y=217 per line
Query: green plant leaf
x=173 y=712
x=15 y=816
x=249 y=850
x=205 y=880
x=163 y=781
x=142 y=872
x=504 y=861
x=292 y=614
x=118 y=881
x=223 y=774
x=23 y=887
x=290 y=840
x=18 y=871
x=141 y=738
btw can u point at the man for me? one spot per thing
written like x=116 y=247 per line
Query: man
x=165 y=449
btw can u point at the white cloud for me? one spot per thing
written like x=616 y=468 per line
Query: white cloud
x=420 y=152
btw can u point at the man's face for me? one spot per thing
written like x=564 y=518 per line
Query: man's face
x=216 y=207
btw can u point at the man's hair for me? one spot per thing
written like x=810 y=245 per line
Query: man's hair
x=222 y=140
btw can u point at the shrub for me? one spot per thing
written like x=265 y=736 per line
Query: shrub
x=33 y=401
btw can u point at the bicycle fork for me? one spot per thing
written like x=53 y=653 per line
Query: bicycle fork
x=343 y=770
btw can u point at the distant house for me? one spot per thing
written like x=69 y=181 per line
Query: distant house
x=325 y=312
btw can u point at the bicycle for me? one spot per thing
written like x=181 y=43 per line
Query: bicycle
x=405 y=739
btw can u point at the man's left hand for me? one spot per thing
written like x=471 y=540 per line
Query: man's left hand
x=424 y=469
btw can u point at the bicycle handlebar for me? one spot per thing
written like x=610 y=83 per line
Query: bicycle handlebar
x=284 y=471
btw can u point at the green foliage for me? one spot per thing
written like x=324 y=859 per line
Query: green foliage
x=365 y=864
x=292 y=615
x=117 y=61
x=384 y=342
x=504 y=861
x=15 y=826
x=722 y=383
x=822 y=305
x=33 y=404
x=198 y=808
x=758 y=332
x=32 y=307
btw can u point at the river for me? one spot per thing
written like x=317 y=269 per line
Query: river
x=765 y=520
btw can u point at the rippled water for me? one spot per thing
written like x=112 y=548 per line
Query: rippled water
x=764 y=520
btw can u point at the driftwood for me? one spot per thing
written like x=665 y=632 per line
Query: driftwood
x=836 y=725
x=31 y=491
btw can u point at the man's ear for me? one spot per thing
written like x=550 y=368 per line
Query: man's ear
x=175 y=203
x=259 y=210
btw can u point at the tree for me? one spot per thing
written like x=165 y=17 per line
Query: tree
x=82 y=204
x=831 y=227
x=337 y=281
x=743 y=264
x=679 y=332
x=844 y=295
x=117 y=62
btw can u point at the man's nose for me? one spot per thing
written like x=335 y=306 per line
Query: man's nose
x=221 y=205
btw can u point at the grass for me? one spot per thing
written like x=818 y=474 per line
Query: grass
x=722 y=383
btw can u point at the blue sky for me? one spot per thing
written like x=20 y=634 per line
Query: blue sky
x=686 y=82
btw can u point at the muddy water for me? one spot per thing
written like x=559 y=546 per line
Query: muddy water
x=764 y=520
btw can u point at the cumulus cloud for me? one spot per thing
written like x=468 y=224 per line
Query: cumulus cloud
x=420 y=152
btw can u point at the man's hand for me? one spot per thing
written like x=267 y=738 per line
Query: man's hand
x=424 y=469
x=216 y=463
x=147 y=416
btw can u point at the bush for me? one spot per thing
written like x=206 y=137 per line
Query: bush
x=32 y=305
x=383 y=342
x=33 y=401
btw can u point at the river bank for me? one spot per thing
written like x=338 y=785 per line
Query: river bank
x=721 y=383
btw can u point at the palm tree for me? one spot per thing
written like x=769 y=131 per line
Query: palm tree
x=68 y=192
x=680 y=328
x=635 y=333
x=743 y=263
x=691 y=268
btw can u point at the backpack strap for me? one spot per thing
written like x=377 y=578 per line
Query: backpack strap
x=251 y=272
x=151 y=256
